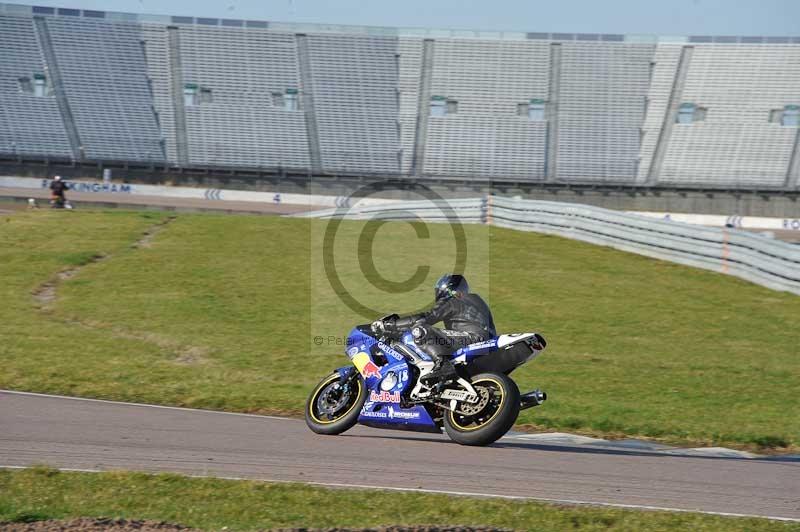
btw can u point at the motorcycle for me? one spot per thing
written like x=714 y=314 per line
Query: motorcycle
x=386 y=386
x=60 y=202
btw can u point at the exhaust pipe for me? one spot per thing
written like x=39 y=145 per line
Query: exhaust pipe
x=531 y=399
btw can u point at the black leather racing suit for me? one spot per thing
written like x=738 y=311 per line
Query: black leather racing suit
x=58 y=188
x=467 y=320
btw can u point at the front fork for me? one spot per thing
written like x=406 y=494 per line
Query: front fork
x=345 y=373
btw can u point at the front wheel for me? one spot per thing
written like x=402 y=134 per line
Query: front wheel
x=334 y=406
x=491 y=417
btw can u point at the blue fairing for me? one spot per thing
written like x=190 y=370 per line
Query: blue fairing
x=391 y=414
x=360 y=341
x=383 y=406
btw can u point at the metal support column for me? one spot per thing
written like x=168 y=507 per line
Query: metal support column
x=54 y=75
x=423 y=109
x=675 y=96
x=551 y=153
x=307 y=97
x=177 y=87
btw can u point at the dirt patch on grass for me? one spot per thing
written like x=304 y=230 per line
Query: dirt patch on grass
x=147 y=238
x=91 y=525
x=45 y=294
x=192 y=356
x=189 y=355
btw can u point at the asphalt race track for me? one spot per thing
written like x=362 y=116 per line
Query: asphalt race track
x=101 y=435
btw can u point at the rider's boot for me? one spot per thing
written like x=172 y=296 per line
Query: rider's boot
x=442 y=369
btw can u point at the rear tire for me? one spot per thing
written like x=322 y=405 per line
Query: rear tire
x=332 y=410
x=495 y=419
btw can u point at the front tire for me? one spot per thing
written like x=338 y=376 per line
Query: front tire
x=333 y=407
x=493 y=416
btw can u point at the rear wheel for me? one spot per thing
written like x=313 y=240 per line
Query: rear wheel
x=334 y=406
x=491 y=417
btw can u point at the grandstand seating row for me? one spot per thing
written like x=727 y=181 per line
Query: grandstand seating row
x=533 y=107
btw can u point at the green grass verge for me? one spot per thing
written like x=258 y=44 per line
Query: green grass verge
x=211 y=504
x=219 y=312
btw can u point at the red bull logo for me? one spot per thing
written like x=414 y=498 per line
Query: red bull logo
x=366 y=366
x=370 y=370
x=385 y=397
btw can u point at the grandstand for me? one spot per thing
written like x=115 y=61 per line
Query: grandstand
x=553 y=108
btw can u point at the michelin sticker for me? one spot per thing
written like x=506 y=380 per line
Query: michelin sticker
x=402 y=414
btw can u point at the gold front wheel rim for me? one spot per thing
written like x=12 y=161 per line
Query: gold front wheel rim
x=315 y=395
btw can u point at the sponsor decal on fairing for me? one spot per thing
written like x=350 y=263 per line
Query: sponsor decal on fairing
x=488 y=344
x=384 y=397
x=366 y=366
x=391 y=352
x=402 y=414
x=378 y=414
x=459 y=395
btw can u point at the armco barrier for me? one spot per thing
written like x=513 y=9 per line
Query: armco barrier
x=472 y=210
x=755 y=258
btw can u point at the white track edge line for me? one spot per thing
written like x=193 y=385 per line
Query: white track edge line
x=165 y=407
x=447 y=492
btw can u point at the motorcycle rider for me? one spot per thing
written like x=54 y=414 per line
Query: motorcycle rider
x=57 y=190
x=466 y=316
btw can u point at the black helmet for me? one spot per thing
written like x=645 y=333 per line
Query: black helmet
x=450 y=285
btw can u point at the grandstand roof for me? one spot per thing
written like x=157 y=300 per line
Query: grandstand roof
x=293 y=27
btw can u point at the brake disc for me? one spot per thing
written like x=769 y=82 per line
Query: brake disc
x=328 y=404
x=476 y=408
